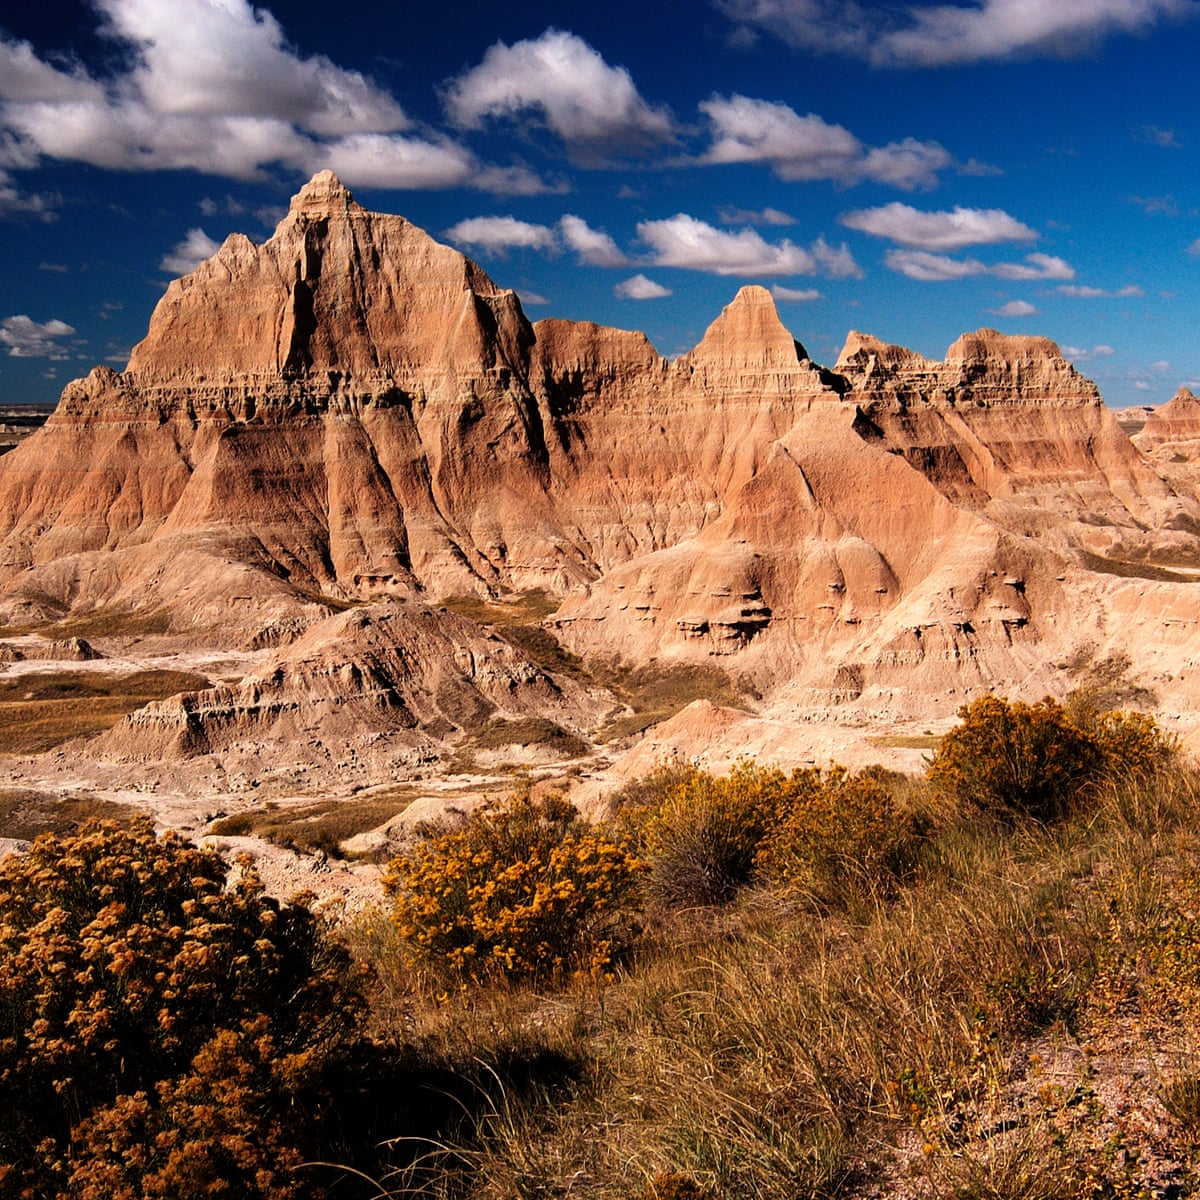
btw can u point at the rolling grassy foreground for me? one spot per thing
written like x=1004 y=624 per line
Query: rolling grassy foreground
x=981 y=983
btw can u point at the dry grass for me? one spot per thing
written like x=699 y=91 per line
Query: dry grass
x=315 y=828
x=108 y=622
x=523 y=608
x=41 y=710
x=26 y=812
x=758 y=1052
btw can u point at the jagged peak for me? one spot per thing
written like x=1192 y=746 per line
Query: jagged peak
x=749 y=334
x=861 y=348
x=323 y=195
x=1184 y=398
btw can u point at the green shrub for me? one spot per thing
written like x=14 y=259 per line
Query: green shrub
x=700 y=844
x=841 y=837
x=1017 y=760
x=139 y=996
x=526 y=888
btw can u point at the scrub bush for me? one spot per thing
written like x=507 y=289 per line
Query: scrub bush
x=842 y=837
x=1017 y=760
x=526 y=888
x=161 y=1034
x=701 y=843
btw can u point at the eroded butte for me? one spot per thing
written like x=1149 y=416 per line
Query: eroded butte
x=387 y=518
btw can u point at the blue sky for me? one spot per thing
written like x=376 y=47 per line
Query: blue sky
x=911 y=170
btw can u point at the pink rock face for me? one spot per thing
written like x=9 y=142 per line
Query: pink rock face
x=355 y=410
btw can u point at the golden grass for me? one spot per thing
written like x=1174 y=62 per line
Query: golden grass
x=41 y=710
x=26 y=812
x=759 y=1052
x=314 y=828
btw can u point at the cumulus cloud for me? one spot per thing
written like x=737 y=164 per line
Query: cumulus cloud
x=26 y=338
x=640 y=288
x=594 y=107
x=215 y=87
x=1194 y=248
x=501 y=234
x=1079 y=292
x=230 y=59
x=1035 y=266
x=939 y=268
x=684 y=241
x=1155 y=135
x=190 y=253
x=593 y=246
x=951 y=230
x=750 y=216
x=805 y=148
x=1082 y=353
x=936 y=35
x=1015 y=308
x=794 y=295
x=13 y=201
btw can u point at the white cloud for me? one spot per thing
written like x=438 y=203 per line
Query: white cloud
x=1161 y=365
x=500 y=234
x=749 y=216
x=1081 y=353
x=745 y=130
x=934 y=35
x=593 y=246
x=14 y=201
x=1155 y=135
x=939 y=230
x=1080 y=292
x=1194 y=248
x=532 y=298
x=213 y=86
x=595 y=108
x=640 y=288
x=794 y=295
x=226 y=59
x=929 y=268
x=1015 y=308
x=396 y=161
x=1035 y=266
x=187 y=255
x=26 y=338
x=684 y=241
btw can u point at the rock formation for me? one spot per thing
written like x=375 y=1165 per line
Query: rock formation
x=1174 y=429
x=351 y=412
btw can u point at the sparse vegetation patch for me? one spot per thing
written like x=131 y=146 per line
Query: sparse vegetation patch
x=40 y=710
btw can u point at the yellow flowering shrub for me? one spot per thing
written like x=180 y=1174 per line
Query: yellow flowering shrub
x=1042 y=760
x=525 y=888
x=840 y=836
x=1131 y=743
x=701 y=842
x=139 y=995
x=1016 y=759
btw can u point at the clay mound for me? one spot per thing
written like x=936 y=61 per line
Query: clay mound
x=415 y=674
x=1174 y=429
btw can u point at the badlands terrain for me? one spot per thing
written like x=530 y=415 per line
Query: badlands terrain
x=350 y=541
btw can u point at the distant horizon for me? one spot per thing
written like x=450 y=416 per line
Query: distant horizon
x=914 y=171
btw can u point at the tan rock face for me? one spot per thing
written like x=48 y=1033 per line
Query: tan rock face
x=354 y=410
x=1175 y=427
x=405 y=672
